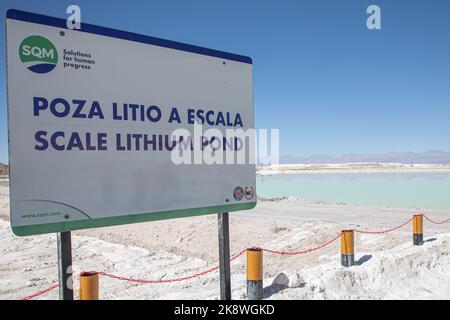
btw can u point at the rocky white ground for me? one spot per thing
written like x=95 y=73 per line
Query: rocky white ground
x=388 y=266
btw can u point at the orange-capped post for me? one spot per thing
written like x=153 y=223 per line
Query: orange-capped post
x=255 y=274
x=347 y=248
x=88 y=286
x=418 y=229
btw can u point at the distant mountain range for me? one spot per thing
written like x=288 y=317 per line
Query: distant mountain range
x=427 y=157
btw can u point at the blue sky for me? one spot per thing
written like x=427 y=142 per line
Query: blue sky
x=327 y=82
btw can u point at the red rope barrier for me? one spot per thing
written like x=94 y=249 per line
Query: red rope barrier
x=435 y=222
x=385 y=231
x=234 y=257
x=167 y=280
x=39 y=293
x=145 y=281
x=305 y=251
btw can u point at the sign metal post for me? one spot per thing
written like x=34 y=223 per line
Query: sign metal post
x=64 y=245
x=224 y=257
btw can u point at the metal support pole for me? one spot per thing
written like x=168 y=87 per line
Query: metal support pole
x=255 y=274
x=418 y=230
x=224 y=256
x=347 y=248
x=89 y=286
x=64 y=245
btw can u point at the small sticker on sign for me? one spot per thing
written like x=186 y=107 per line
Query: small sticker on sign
x=249 y=193
x=238 y=193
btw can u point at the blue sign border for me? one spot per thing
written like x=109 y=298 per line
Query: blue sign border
x=124 y=35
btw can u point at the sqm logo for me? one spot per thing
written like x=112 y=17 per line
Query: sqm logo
x=38 y=54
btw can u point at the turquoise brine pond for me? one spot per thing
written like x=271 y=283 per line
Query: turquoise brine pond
x=402 y=190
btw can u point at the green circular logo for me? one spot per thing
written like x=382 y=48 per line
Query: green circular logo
x=39 y=54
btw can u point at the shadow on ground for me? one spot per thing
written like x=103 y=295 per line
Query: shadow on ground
x=363 y=259
x=272 y=289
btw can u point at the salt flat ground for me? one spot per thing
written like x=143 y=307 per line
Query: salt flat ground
x=388 y=266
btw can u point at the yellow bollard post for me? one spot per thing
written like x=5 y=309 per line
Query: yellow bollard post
x=347 y=248
x=255 y=274
x=89 y=286
x=418 y=229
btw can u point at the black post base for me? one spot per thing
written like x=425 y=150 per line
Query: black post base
x=255 y=289
x=418 y=239
x=347 y=260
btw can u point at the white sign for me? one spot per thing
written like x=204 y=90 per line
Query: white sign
x=91 y=117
